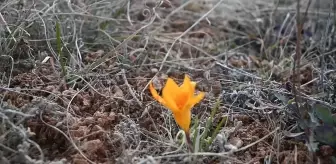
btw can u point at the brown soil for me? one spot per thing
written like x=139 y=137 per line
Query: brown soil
x=106 y=123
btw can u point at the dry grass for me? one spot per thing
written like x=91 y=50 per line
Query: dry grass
x=239 y=51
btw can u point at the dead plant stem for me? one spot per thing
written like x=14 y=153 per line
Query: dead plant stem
x=297 y=57
x=189 y=142
x=130 y=88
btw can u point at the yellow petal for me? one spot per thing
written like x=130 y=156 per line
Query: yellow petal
x=170 y=104
x=183 y=118
x=186 y=85
x=193 y=101
x=187 y=89
x=182 y=99
x=167 y=101
x=155 y=94
x=171 y=89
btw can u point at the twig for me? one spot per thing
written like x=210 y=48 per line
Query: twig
x=129 y=87
x=239 y=71
x=297 y=57
x=4 y=147
x=128 y=12
x=295 y=155
x=263 y=138
x=10 y=74
x=3 y=21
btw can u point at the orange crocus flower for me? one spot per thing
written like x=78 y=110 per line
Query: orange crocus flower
x=179 y=99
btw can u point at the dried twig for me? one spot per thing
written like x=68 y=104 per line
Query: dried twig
x=3 y=21
x=297 y=57
x=129 y=87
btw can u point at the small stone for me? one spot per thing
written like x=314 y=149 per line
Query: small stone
x=236 y=142
x=230 y=147
x=154 y=70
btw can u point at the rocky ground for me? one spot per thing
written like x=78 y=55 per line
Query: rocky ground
x=95 y=106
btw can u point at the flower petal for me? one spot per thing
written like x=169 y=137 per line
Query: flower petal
x=169 y=94
x=171 y=89
x=155 y=94
x=183 y=96
x=193 y=101
x=188 y=88
x=166 y=101
x=170 y=104
x=186 y=85
x=183 y=119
